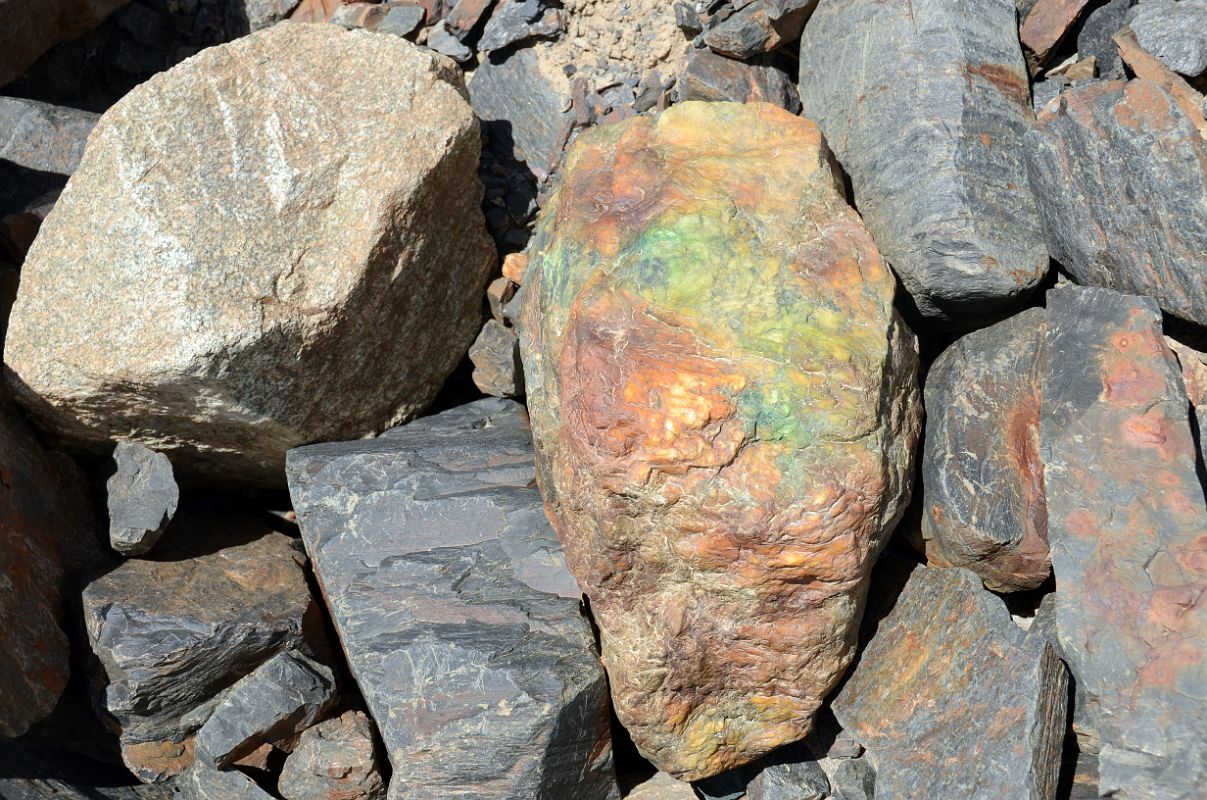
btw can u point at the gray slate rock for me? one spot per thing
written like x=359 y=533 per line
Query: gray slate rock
x=204 y=782
x=927 y=118
x=43 y=137
x=713 y=78
x=401 y=20
x=496 y=358
x=334 y=759
x=515 y=21
x=1096 y=37
x=172 y=632
x=1120 y=174
x=1084 y=719
x=1174 y=31
x=444 y=42
x=280 y=699
x=142 y=498
x=456 y=610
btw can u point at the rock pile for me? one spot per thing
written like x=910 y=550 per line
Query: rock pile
x=524 y=399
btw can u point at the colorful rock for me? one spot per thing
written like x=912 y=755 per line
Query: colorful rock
x=725 y=410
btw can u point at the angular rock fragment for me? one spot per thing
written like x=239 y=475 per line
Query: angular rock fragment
x=247 y=16
x=1174 y=32
x=43 y=137
x=280 y=699
x=1127 y=523
x=220 y=597
x=1120 y=174
x=928 y=121
x=204 y=782
x=142 y=498
x=759 y=27
x=515 y=21
x=826 y=765
x=982 y=475
x=1096 y=37
x=496 y=358
x=334 y=759
x=1194 y=378
x=27 y=30
x=714 y=78
x=947 y=647
x=1046 y=25
x=456 y=610
x=684 y=298
x=401 y=20
x=268 y=272
x=43 y=517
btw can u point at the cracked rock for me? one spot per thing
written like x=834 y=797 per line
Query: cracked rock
x=142 y=498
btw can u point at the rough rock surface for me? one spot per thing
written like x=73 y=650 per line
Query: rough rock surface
x=43 y=137
x=456 y=610
x=950 y=700
x=710 y=77
x=280 y=239
x=1128 y=530
x=1175 y=32
x=204 y=782
x=334 y=760
x=43 y=512
x=926 y=104
x=1194 y=378
x=982 y=475
x=281 y=698
x=36 y=773
x=1096 y=37
x=142 y=497
x=725 y=409
x=27 y=30
x=496 y=358
x=1120 y=174
x=218 y=598
x=1045 y=26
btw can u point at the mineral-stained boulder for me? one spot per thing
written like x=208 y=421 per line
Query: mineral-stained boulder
x=982 y=476
x=455 y=608
x=1128 y=530
x=220 y=596
x=926 y=104
x=950 y=700
x=254 y=258
x=142 y=497
x=1120 y=174
x=334 y=760
x=43 y=512
x=280 y=699
x=27 y=30
x=725 y=409
x=1175 y=32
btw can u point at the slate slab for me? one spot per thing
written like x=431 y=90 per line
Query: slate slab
x=142 y=497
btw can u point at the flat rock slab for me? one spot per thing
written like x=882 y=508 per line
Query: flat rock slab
x=951 y=702
x=725 y=410
x=171 y=633
x=982 y=474
x=277 y=238
x=142 y=497
x=1128 y=530
x=925 y=104
x=458 y=616
x=1120 y=174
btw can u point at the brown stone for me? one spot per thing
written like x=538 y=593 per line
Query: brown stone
x=498 y=295
x=725 y=410
x=1046 y=27
x=1148 y=67
x=514 y=266
x=466 y=14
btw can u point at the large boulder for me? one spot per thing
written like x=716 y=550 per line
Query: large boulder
x=982 y=476
x=173 y=632
x=459 y=618
x=44 y=514
x=27 y=30
x=926 y=104
x=1120 y=174
x=725 y=410
x=259 y=251
x=1128 y=532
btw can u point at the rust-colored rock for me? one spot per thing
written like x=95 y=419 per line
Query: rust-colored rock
x=1046 y=26
x=725 y=410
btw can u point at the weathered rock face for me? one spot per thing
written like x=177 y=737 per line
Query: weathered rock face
x=1194 y=378
x=272 y=258
x=982 y=475
x=1120 y=174
x=1127 y=522
x=926 y=104
x=27 y=30
x=41 y=136
x=222 y=596
x=142 y=497
x=44 y=506
x=456 y=610
x=725 y=408
x=1175 y=32
x=334 y=760
x=1045 y=26
x=496 y=357
x=205 y=782
x=714 y=78
x=950 y=701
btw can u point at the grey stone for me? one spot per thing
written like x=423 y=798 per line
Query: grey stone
x=42 y=137
x=401 y=20
x=444 y=42
x=1174 y=31
x=142 y=498
x=204 y=782
x=496 y=359
x=850 y=778
x=759 y=27
x=1127 y=516
x=982 y=476
x=1047 y=90
x=456 y=610
x=1096 y=37
x=714 y=78
x=928 y=121
x=1084 y=719
x=334 y=759
x=221 y=596
x=1194 y=378
x=790 y=779
x=946 y=647
x=232 y=310
x=515 y=21
x=274 y=703
x=1119 y=171
x=248 y=16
